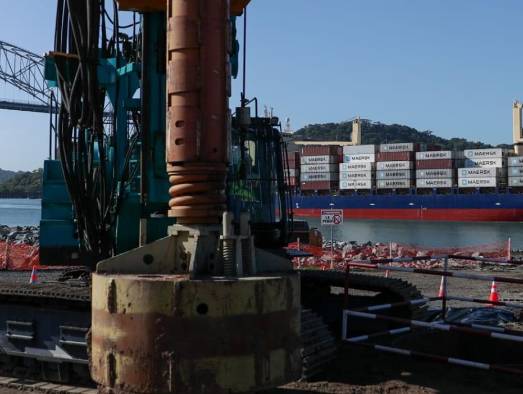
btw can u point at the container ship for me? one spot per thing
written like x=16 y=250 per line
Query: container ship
x=408 y=181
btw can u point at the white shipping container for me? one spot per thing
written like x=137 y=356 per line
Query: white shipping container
x=434 y=182
x=482 y=172
x=475 y=163
x=319 y=168
x=400 y=147
x=516 y=161
x=394 y=184
x=395 y=165
x=356 y=185
x=484 y=153
x=357 y=166
x=319 y=176
x=348 y=176
x=437 y=154
x=324 y=159
x=395 y=174
x=478 y=182
x=359 y=149
x=515 y=181
x=515 y=171
x=361 y=157
x=431 y=174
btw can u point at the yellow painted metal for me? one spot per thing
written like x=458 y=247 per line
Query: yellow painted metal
x=166 y=333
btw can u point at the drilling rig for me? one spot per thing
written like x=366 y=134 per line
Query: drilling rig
x=225 y=316
x=172 y=214
x=202 y=309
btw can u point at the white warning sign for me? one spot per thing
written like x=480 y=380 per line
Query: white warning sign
x=331 y=217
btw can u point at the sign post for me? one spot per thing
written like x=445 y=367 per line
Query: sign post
x=332 y=217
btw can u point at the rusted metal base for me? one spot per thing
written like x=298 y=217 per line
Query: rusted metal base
x=170 y=334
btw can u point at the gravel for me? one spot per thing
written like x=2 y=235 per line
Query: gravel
x=28 y=235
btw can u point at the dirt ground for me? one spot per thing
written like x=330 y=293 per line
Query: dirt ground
x=429 y=285
x=363 y=371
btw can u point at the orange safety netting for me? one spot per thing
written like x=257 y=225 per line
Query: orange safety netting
x=18 y=257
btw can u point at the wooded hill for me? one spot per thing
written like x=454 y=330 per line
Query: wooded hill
x=22 y=185
x=379 y=133
x=6 y=174
x=29 y=184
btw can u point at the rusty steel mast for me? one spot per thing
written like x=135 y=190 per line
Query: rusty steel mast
x=201 y=310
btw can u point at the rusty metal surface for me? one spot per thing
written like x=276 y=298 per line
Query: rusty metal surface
x=198 y=87
x=210 y=336
x=142 y=5
x=237 y=6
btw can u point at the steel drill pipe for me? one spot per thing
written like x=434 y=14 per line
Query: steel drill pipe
x=198 y=89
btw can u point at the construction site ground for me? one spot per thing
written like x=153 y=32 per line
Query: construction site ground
x=428 y=285
x=365 y=371
x=360 y=370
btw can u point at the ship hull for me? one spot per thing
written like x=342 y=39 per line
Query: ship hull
x=497 y=207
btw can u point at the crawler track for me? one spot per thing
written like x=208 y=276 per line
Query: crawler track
x=47 y=314
x=319 y=345
x=25 y=385
x=70 y=284
x=318 y=294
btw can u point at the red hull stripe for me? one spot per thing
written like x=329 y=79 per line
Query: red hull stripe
x=437 y=214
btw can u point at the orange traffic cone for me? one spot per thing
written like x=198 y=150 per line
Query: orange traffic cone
x=494 y=295
x=34 y=276
x=441 y=292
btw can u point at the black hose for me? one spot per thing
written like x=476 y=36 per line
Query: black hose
x=96 y=193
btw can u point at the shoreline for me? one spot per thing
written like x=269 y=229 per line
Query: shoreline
x=20 y=198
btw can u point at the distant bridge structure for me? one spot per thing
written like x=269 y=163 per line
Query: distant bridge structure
x=24 y=70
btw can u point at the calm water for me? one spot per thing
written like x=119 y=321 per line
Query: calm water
x=22 y=212
x=19 y=212
x=430 y=234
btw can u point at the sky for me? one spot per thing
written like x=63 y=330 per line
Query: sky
x=450 y=66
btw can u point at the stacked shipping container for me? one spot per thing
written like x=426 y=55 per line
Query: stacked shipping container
x=436 y=169
x=357 y=170
x=483 y=168
x=319 y=167
x=515 y=171
x=395 y=166
x=400 y=166
x=292 y=175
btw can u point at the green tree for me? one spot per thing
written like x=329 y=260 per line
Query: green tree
x=379 y=133
x=23 y=184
